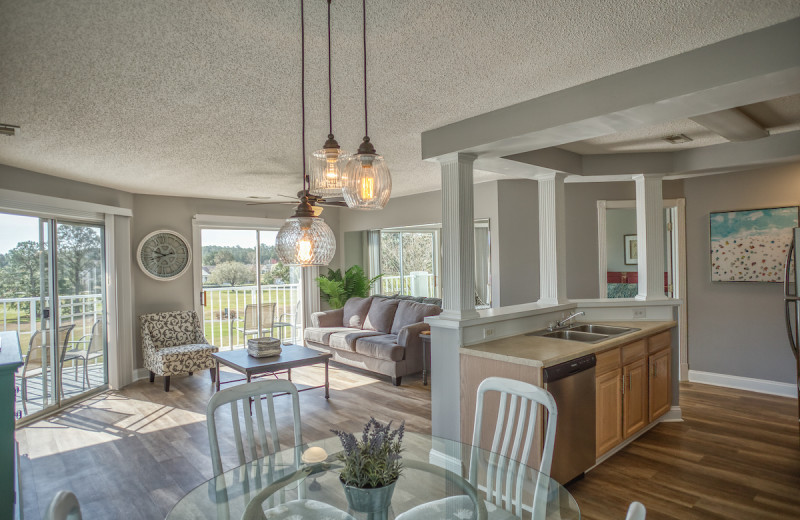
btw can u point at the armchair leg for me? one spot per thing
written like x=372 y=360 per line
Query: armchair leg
x=166 y=383
x=191 y=373
x=396 y=381
x=152 y=376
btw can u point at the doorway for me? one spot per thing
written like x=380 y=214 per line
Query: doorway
x=52 y=294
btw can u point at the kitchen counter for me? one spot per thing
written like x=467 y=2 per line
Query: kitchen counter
x=539 y=351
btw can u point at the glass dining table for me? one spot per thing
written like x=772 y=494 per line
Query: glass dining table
x=436 y=468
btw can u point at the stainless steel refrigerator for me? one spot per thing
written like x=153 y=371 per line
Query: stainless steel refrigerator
x=791 y=298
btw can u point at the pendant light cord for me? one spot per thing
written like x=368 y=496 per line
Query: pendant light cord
x=330 y=81
x=364 y=11
x=303 y=90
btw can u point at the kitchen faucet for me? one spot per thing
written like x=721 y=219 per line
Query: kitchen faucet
x=563 y=323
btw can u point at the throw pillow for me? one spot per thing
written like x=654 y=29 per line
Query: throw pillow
x=381 y=315
x=355 y=312
x=409 y=312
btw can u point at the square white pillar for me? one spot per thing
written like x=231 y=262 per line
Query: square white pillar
x=650 y=236
x=458 y=237
x=552 y=239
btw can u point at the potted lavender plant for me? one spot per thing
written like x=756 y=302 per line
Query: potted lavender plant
x=371 y=467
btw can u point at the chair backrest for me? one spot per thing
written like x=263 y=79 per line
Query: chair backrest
x=513 y=438
x=33 y=359
x=267 y=315
x=636 y=511
x=97 y=341
x=244 y=395
x=64 y=332
x=170 y=329
x=64 y=506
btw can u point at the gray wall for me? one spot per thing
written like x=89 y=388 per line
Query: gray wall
x=736 y=328
x=619 y=222
x=517 y=244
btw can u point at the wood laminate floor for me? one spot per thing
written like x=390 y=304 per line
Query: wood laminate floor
x=134 y=453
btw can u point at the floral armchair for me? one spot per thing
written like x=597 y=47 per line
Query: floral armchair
x=173 y=343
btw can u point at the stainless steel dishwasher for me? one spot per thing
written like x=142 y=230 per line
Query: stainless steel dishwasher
x=573 y=388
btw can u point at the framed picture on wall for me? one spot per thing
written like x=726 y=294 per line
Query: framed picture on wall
x=751 y=245
x=631 y=250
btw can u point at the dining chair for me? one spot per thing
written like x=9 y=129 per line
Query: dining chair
x=95 y=341
x=514 y=430
x=289 y=320
x=250 y=321
x=636 y=511
x=246 y=404
x=64 y=506
x=34 y=359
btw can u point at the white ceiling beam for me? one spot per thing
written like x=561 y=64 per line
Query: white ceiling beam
x=732 y=124
x=750 y=68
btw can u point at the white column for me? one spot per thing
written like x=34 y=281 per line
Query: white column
x=650 y=236
x=458 y=238
x=552 y=239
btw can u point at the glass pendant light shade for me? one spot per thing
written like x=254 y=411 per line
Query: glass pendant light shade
x=327 y=166
x=305 y=241
x=367 y=182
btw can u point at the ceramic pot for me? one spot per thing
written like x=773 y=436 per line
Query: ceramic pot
x=369 y=500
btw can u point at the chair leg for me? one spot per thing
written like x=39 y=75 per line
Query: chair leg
x=24 y=396
x=213 y=375
x=396 y=381
x=152 y=376
x=191 y=373
x=166 y=383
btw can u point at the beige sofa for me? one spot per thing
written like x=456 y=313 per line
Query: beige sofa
x=377 y=334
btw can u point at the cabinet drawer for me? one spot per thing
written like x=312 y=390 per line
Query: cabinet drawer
x=659 y=341
x=634 y=351
x=608 y=360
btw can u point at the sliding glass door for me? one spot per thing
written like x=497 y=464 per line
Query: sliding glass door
x=52 y=294
x=247 y=292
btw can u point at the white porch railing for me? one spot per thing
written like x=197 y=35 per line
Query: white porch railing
x=414 y=284
x=225 y=306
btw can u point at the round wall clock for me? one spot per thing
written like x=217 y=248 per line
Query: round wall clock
x=164 y=255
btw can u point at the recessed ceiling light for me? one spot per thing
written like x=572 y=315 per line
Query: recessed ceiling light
x=9 y=130
x=677 y=139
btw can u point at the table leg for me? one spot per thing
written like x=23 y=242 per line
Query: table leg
x=424 y=363
x=327 y=383
x=217 y=370
x=289 y=373
x=248 y=377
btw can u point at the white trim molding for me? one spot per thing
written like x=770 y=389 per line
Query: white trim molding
x=762 y=386
x=38 y=205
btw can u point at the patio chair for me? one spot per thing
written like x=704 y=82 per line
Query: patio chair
x=94 y=349
x=33 y=360
x=289 y=320
x=250 y=322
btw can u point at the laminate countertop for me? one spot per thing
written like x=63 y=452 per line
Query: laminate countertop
x=538 y=351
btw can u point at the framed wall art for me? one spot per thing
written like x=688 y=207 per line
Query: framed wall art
x=751 y=245
x=631 y=250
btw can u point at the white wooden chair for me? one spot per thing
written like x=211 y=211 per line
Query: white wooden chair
x=240 y=399
x=513 y=438
x=636 y=511
x=64 y=506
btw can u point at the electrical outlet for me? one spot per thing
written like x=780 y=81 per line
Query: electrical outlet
x=488 y=332
x=638 y=313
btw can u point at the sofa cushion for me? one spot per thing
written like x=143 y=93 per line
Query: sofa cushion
x=409 y=312
x=433 y=301
x=381 y=347
x=347 y=340
x=381 y=314
x=322 y=335
x=355 y=312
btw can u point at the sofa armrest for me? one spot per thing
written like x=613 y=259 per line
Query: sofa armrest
x=332 y=318
x=408 y=337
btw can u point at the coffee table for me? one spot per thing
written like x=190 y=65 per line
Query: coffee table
x=292 y=356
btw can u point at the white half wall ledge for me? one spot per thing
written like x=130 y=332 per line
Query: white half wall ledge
x=761 y=386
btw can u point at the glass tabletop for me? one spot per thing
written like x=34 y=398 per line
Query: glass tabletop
x=226 y=496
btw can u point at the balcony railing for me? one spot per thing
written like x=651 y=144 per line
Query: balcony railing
x=224 y=309
x=415 y=284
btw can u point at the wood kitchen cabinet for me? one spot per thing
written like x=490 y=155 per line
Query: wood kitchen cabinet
x=608 y=419
x=634 y=397
x=660 y=388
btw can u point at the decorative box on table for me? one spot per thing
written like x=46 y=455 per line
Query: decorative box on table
x=264 y=347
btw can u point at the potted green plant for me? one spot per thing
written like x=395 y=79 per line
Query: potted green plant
x=336 y=289
x=371 y=466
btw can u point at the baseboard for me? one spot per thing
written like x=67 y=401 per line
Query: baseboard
x=443 y=460
x=673 y=415
x=140 y=373
x=744 y=383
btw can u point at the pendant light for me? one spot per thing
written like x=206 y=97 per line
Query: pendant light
x=367 y=182
x=305 y=239
x=328 y=163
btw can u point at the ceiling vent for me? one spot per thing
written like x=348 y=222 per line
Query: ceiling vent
x=677 y=139
x=9 y=130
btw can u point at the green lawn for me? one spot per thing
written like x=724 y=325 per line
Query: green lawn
x=218 y=324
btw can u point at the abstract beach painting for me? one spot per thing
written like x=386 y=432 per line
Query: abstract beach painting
x=751 y=246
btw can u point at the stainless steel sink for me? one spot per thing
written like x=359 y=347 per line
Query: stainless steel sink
x=576 y=335
x=610 y=330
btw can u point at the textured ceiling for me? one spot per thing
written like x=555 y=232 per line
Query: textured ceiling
x=201 y=98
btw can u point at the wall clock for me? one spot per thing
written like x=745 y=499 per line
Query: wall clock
x=164 y=255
